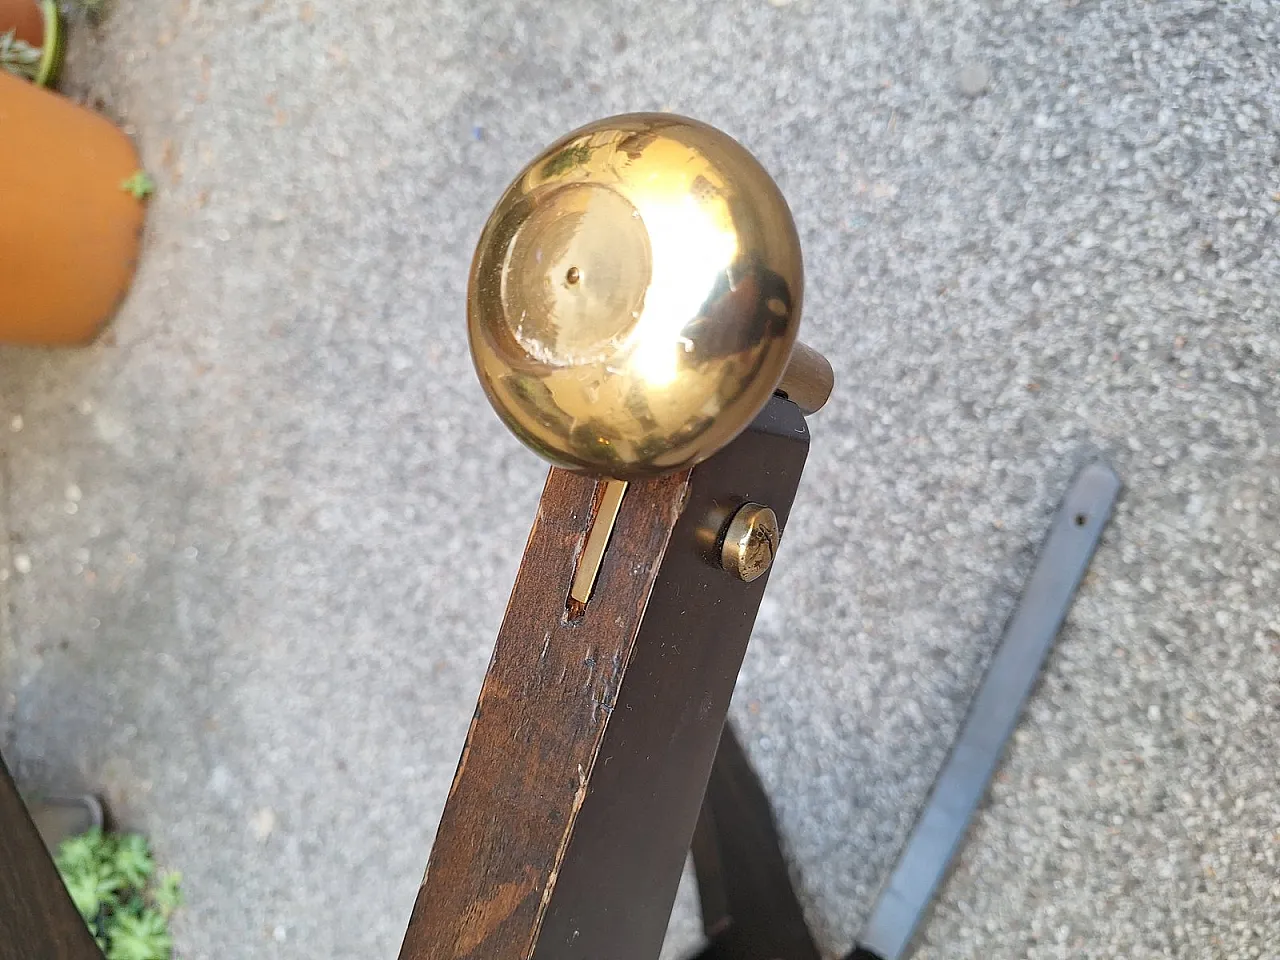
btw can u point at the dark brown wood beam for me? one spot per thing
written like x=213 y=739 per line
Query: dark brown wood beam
x=570 y=817
x=38 y=921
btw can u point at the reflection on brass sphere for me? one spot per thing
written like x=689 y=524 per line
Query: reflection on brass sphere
x=635 y=296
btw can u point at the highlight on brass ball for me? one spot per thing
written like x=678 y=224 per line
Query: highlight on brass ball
x=635 y=296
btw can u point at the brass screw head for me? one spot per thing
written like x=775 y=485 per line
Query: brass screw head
x=750 y=542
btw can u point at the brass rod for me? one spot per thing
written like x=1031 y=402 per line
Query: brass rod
x=584 y=578
x=808 y=380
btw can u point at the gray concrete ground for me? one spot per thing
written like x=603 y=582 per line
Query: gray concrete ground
x=260 y=537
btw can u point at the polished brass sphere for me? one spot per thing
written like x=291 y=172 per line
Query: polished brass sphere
x=635 y=296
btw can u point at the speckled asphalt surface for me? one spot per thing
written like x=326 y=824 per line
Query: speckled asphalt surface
x=260 y=538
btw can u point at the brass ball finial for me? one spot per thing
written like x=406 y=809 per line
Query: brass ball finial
x=635 y=296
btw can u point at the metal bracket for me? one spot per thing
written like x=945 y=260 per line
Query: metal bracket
x=1073 y=537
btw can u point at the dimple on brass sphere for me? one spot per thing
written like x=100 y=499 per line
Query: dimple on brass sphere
x=635 y=296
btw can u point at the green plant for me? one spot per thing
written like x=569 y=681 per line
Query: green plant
x=111 y=878
x=19 y=57
x=140 y=185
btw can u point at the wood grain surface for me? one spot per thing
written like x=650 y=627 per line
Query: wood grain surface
x=541 y=713
x=37 y=918
x=574 y=804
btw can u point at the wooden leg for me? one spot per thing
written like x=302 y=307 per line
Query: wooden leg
x=749 y=907
x=38 y=921
x=571 y=814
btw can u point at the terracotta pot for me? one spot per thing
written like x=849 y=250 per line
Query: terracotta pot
x=25 y=18
x=38 y=23
x=69 y=232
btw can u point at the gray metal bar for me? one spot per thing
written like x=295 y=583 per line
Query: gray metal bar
x=938 y=834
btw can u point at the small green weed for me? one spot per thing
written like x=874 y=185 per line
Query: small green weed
x=19 y=57
x=111 y=878
x=139 y=185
